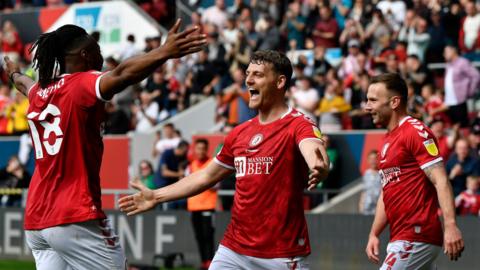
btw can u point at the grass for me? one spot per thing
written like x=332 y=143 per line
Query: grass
x=30 y=265
x=16 y=265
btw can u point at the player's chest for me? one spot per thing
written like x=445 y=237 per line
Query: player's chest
x=394 y=161
x=393 y=153
x=262 y=152
x=264 y=141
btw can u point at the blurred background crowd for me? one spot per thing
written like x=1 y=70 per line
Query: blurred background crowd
x=335 y=47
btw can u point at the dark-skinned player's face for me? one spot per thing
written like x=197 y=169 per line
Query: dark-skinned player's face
x=95 y=59
x=89 y=54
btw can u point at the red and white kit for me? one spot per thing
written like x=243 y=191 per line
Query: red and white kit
x=64 y=222
x=267 y=216
x=410 y=199
x=65 y=120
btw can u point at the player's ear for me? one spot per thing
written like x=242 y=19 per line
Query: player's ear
x=395 y=102
x=281 y=81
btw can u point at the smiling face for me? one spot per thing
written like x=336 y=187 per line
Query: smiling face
x=266 y=87
x=379 y=104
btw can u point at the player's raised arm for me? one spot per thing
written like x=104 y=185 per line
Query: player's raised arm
x=379 y=224
x=315 y=155
x=188 y=186
x=138 y=68
x=22 y=82
x=453 y=242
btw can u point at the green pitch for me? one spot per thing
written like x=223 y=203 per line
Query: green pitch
x=28 y=265
x=16 y=265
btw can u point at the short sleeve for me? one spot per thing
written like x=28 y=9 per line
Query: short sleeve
x=423 y=146
x=88 y=92
x=307 y=130
x=225 y=157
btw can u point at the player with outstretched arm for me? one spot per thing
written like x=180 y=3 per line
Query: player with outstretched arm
x=274 y=156
x=64 y=223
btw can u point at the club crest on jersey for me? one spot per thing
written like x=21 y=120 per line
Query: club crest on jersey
x=431 y=147
x=256 y=140
x=384 y=150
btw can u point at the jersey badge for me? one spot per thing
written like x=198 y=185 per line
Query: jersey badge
x=317 y=132
x=256 y=140
x=431 y=147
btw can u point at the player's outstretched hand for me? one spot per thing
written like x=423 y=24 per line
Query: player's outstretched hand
x=453 y=244
x=139 y=202
x=372 y=249
x=319 y=172
x=10 y=66
x=183 y=43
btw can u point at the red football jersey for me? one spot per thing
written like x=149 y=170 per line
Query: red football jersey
x=267 y=215
x=65 y=121
x=410 y=198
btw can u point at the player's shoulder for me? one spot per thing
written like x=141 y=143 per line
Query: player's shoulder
x=83 y=74
x=299 y=118
x=416 y=128
x=240 y=128
x=244 y=125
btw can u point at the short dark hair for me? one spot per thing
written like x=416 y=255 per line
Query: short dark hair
x=394 y=83
x=182 y=144
x=279 y=61
x=452 y=46
x=201 y=140
x=414 y=56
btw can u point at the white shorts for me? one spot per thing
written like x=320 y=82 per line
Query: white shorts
x=227 y=259
x=89 y=245
x=405 y=255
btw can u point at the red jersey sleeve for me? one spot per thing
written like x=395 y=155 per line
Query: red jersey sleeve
x=88 y=92
x=225 y=157
x=306 y=129
x=423 y=145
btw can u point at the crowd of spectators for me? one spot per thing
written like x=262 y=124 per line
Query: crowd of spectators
x=335 y=47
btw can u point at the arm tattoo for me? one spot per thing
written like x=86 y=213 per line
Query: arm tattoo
x=428 y=170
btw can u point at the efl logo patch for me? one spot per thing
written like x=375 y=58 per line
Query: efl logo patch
x=317 y=132
x=256 y=140
x=431 y=147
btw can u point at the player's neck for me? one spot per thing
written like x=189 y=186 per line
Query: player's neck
x=271 y=114
x=395 y=120
x=74 y=67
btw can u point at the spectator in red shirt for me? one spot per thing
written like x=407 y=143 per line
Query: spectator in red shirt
x=432 y=105
x=326 y=29
x=468 y=202
x=12 y=45
x=445 y=141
